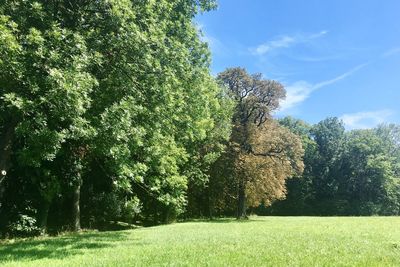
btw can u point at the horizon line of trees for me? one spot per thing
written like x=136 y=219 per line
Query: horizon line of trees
x=345 y=173
x=353 y=172
x=109 y=114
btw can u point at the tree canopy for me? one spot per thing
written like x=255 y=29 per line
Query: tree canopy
x=346 y=173
x=110 y=97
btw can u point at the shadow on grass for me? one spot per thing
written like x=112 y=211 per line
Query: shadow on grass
x=60 y=247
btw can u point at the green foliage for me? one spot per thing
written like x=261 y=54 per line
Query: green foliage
x=24 y=226
x=131 y=209
x=370 y=172
x=119 y=89
x=352 y=173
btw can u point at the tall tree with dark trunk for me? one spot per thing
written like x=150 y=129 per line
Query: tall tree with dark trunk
x=256 y=141
x=76 y=158
x=45 y=87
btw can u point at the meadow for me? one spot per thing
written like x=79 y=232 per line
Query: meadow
x=260 y=241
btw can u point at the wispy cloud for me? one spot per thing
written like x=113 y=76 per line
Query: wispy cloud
x=285 y=41
x=316 y=59
x=391 y=52
x=340 y=77
x=295 y=94
x=298 y=92
x=365 y=120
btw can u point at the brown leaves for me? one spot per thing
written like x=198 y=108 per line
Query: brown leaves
x=262 y=153
x=274 y=154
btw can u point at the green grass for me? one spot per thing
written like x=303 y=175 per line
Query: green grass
x=261 y=241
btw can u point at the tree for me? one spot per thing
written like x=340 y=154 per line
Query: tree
x=329 y=135
x=45 y=92
x=390 y=137
x=157 y=103
x=368 y=169
x=372 y=171
x=256 y=142
x=120 y=85
x=277 y=156
x=205 y=153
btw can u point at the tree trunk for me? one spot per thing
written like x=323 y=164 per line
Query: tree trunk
x=76 y=213
x=43 y=215
x=241 y=208
x=78 y=154
x=210 y=204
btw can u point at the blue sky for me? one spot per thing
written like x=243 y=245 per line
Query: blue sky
x=335 y=57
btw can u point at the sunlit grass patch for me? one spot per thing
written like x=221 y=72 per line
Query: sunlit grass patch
x=262 y=241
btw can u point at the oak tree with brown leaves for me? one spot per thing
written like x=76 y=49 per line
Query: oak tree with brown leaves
x=263 y=153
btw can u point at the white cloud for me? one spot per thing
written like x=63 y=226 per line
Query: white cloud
x=299 y=91
x=296 y=94
x=365 y=120
x=285 y=41
x=317 y=35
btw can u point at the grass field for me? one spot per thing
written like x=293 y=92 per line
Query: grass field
x=261 y=241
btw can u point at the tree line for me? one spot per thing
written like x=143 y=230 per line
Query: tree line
x=109 y=116
x=346 y=173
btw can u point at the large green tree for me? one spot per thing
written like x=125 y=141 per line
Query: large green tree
x=329 y=135
x=45 y=91
x=372 y=172
x=120 y=86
